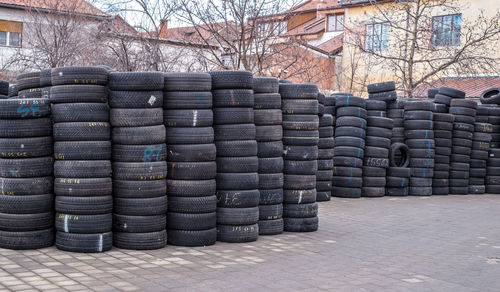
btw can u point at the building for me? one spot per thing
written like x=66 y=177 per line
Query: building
x=85 y=36
x=438 y=49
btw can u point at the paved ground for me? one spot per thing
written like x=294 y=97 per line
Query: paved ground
x=389 y=244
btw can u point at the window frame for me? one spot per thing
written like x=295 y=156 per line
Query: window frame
x=9 y=36
x=440 y=37
x=381 y=30
x=335 y=16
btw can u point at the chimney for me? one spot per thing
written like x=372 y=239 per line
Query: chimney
x=164 y=28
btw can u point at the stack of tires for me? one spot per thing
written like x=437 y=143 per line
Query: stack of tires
x=418 y=123
x=188 y=117
x=396 y=112
x=384 y=91
x=4 y=89
x=26 y=183
x=493 y=181
x=464 y=112
x=348 y=153
x=376 y=158
x=443 y=133
x=139 y=166
x=82 y=151
x=268 y=121
x=444 y=97
x=300 y=142
x=479 y=157
x=237 y=162
x=325 y=158
x=398 y=172
x=494 y=120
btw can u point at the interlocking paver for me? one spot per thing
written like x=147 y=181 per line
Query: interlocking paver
x=449 y=243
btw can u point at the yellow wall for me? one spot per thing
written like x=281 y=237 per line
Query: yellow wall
x=378 y=70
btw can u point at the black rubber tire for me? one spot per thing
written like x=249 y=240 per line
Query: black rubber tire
x=26 y=186
x=140 y=170
x=343 y=192
x=265 y=85
x=82 y=150
x=140 y=241
x=267 y=101
x=141 y=135
x=224 y=98
x=25 y=128
x=40 y=203
x=83 y=186
x=187 y=81
x=24 y=108
x=195 y=170
x=80 y=112
x=194 y=188
x=187 y=100
x=83 y=224
x=140 y=189
x=146 y=153
x=231 y=79
x=84 y=205
x=455 y=93
x=135 y=224
x=26 y=167
x=490 y=96
x=229 y=132
x=268 y=117
x=301 y=224
x=78 y=93
x=27 y=240
x=136 y=117
x=237 y=181
x=135 y=99
x=140 y=206
x=237 y=234
x=349 y=100
x=187 y=221
x=136 y=81
x=381 y=87
x=386 y=96
x=192 y=238
x=82 y=131
x=82 y=168
x=237 y=148
x=28 y=80
x=192 y=205
x=26 y=222
x=298 y=91
x=352 y=111
x=188 y=118
x=270 y=227
x=79 y=76
x=399 y=147
x=26 y=147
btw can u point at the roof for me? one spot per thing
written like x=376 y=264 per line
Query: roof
x=473 y=86
x=313 y=5
x=360 y=2
x=77 y=6
x=119 y=25
x=333 y=45
x=313 y=26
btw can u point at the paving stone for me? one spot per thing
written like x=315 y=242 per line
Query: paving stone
x=443 y=243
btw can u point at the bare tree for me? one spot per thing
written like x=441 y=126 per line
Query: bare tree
x=408 y=39
x=239 y=27
x=58 y=33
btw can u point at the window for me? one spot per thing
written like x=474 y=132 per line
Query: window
x=279 y=27
x=336 y=22
x=377 y=37
x=10 y=33
x=446 y=30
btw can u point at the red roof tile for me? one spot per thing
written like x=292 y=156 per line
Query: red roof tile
x=473 y=86
x=78 y=6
